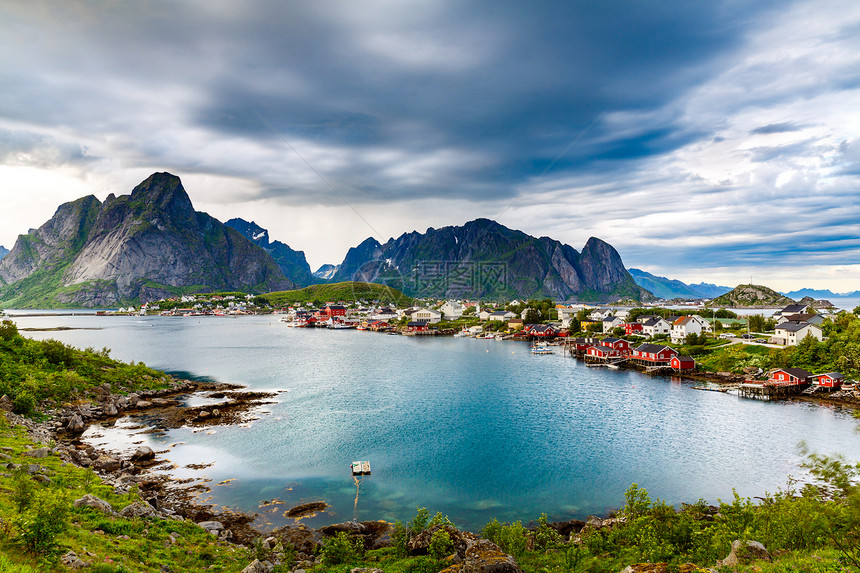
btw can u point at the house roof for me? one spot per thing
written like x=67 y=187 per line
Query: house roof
x=652 y=321
x=793 y=309
x=834 y=375
x=611 y=319
x=653 y=348
x=796 y=372
x=611 y=340
x=414 y=323
x=800 y=317
x=795 y=326
x=684 y=358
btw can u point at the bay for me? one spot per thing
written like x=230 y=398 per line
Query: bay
x=476 y=429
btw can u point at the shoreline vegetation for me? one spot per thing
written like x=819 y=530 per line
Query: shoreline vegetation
x=64 y=504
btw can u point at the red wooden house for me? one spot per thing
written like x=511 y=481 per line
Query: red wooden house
x=617 y=344
x=654 y=353
x=580 y=345
x=631 y=328
x=602 y=352
x=417 y=326
x=789 y=377
x=829 y=380
x=679 y=362
x=541 y=330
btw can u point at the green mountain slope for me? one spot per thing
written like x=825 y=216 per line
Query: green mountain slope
x=752 y=296
x=130 y=249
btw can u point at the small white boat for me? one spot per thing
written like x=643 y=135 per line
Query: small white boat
x=541 y=349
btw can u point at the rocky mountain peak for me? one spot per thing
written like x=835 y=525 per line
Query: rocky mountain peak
x=134 y=247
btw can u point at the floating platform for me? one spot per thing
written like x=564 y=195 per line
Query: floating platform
x=360 y=468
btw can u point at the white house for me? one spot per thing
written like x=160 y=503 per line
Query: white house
x=503 y=315
x=427 y=315
x=693 y=324
x=655 y=326
x=599 y=314
x=452 y=310
x=790 y=309
x=811 y=318
x=566 y=314
x=622 y=314
x=611 y=322
x=790 y=333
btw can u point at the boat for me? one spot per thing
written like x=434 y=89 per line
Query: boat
x=541 y=349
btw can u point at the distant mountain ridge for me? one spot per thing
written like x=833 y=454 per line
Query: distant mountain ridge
x=484 y=259
x=819 y=294
x=3 y=252
x=663 y=287
x=292 y=263
x=138 y=247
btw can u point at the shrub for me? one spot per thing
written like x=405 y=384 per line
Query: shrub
x=24 y=403
x=46 y=517
x=341 y=549
x=440 y=545
x=8 y=330
x=546 y=537
x=419 y=522
x=512 y=538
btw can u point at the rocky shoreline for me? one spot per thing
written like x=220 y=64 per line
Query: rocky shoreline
x=166 y=498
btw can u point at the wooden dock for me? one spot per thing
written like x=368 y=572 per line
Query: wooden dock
x=360 y=468
x=764 y=391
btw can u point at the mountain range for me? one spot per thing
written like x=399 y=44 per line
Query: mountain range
x=484 y=259
x=152 y=243
x=819 y=294
x=3 y=252
x=661 y=287
x=292 y=263
x=138 y=247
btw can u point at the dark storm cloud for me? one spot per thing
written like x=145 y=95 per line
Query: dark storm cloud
x=540 y=79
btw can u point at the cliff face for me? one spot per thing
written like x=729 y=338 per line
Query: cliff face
x=3 y=252
x=483 y=259
x=135 y=247
x=292 y=263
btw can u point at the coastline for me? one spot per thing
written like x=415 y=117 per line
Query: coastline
x=170 y=498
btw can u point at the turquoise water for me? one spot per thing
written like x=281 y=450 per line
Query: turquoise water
x=473 y=428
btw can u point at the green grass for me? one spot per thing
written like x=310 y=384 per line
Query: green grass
x=96 y=537
x=350 y=291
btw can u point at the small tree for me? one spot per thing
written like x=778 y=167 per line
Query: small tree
x=533 y=316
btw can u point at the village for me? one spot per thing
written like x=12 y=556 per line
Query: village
x=647 y=339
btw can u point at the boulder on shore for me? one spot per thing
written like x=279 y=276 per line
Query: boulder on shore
x=744 y=552
x=137 y=509
x=89 y=500
x=143 y=454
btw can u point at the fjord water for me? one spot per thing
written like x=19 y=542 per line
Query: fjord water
x=473 y=428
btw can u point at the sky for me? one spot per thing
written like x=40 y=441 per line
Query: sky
x=706 y=141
